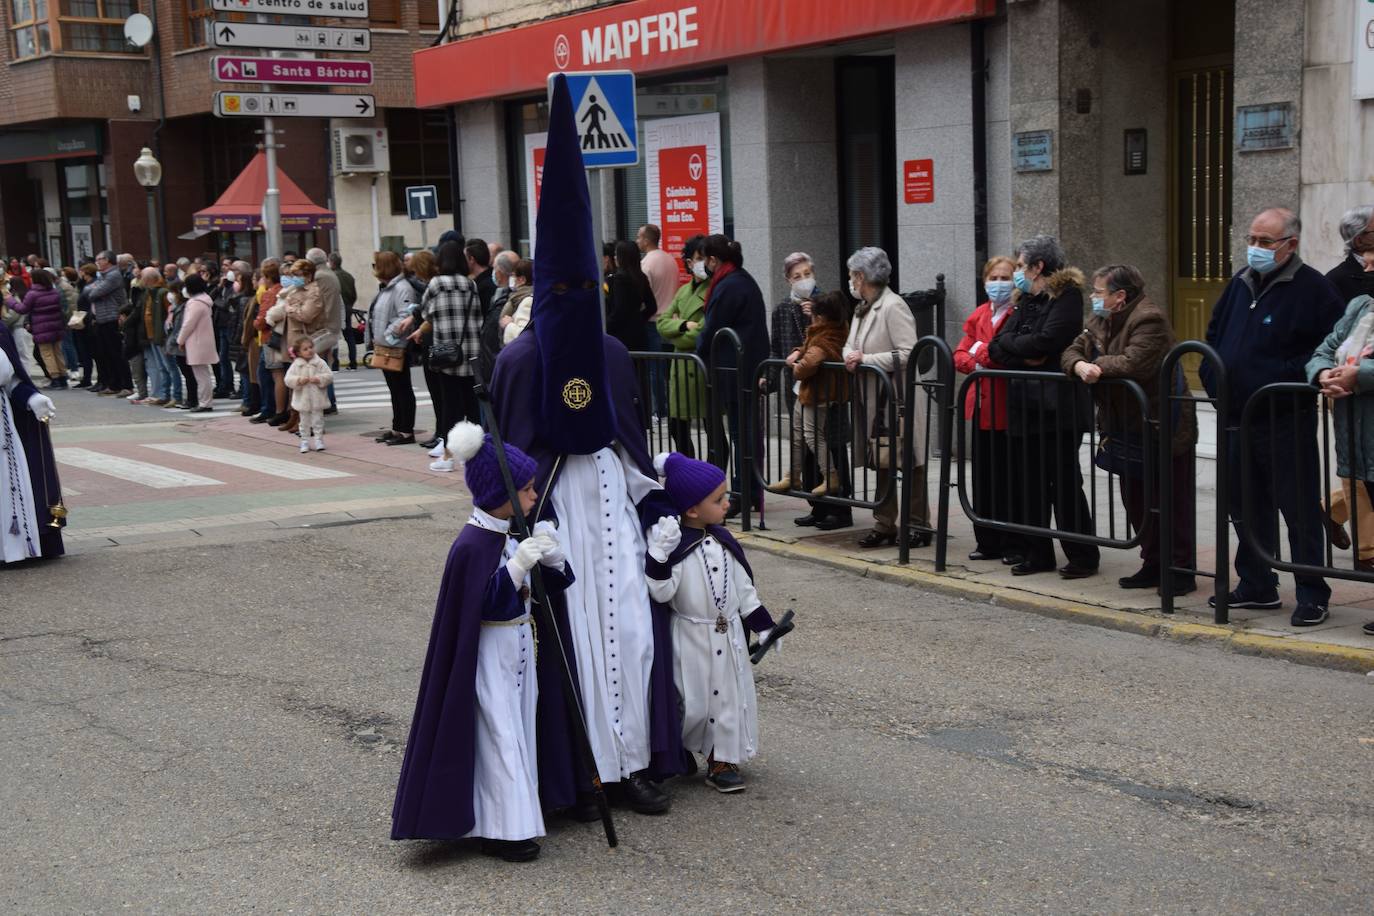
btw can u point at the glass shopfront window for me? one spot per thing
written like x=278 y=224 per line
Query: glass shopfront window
x=671 y=97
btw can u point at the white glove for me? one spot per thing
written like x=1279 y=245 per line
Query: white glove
x=527 y=554
x=664 y=538
x=763 y=638
x=42 y=406
x=553 y=551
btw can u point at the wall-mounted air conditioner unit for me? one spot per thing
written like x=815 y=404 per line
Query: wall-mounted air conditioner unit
x=360 y=149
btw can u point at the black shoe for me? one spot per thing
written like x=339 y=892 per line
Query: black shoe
x=1027 y=568
x=876 y=538
x=1146 y=577
x=96 y=389
x=643 y=796
x=82 y=385
x=1240 y=599
x=834 y=522
x=584 y=810
x=430 y=443
x=279 y=419
x=1012 y=559
x=916 y=538
x=981 y=554
x=511 y=850
x=806 y=521
x=202 y=410
x=1308 y=615
x=1072 y=570
x=1368 y=628
x=185 y=405
x=1184 y=584
x=260 y=418
x=330 y=410
x=401 y=440
x=385 y=437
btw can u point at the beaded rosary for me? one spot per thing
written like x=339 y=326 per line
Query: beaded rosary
x=721 y=625
x=12 y=467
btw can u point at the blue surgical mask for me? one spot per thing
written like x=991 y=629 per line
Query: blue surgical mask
x=999 y=291
x=1261 y=259
x=293 y=281
x=1099 y=306
x=1019 y=278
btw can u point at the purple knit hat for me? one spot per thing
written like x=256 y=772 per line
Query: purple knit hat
x=687 y=481
x=482 y=471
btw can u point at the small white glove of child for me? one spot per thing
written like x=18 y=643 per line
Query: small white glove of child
x=553 y=556
x=42 y=406
x=664 y=537
x=527 y=554
x=763 y=638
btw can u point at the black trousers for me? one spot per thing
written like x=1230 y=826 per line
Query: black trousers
x=1051 y=480
x=992 y=476
x=454 y=400
x=189 y=377
x=402 y=401
x=109 y=357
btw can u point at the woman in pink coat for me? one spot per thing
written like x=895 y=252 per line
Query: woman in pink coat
x=197 y=338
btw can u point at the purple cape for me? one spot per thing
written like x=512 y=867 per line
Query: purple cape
x=434 y=796
x=38 y=451
x=759 y=620
x=515 y=396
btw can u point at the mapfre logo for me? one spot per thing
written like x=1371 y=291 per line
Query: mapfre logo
x=561 y=52
x=694 y=167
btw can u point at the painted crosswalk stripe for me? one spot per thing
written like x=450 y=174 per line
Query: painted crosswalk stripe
x=140 y=472
x=272 y=467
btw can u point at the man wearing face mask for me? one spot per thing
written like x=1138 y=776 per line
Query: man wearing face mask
x=1268 y=320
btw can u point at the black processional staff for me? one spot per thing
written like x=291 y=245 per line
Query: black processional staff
x=544 y=620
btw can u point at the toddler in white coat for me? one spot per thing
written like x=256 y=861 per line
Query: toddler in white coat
x=308 y=378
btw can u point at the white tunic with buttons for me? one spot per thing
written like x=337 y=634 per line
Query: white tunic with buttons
x=714 y=678
x=608 y=604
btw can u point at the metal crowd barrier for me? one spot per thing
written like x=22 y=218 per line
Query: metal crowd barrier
x=939 y=401
x=689 y=426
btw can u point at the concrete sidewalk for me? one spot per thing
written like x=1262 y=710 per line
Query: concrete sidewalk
x=1099 y=600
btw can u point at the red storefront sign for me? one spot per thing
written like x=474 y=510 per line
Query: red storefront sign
x=648 y=36
x=538 y=175
x=918 y=178
x=682 y=198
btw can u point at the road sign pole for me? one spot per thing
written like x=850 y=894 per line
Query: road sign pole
x=271 y=202
x=598 y=238
x=424 y=233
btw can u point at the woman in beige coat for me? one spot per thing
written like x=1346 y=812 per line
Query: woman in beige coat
x=882 y=336
x=301 y=307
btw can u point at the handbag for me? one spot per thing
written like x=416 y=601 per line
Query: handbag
x=881 y=453
x=78 y=320
x=445 y=356
x=392 y=359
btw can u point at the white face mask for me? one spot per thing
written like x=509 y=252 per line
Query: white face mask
x=699 y=269
x=803 y=288
x=511 y=284
x=855 y=290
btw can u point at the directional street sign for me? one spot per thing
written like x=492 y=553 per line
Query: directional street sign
x=290 y=37
x=331 y=9
x=422 y=201
x=289 y=70
x=292 y=105
x=604 y=102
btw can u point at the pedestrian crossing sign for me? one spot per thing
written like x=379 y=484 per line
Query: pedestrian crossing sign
x=604 y=102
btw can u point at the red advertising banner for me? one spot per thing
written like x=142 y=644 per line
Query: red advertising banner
x=682 y=199
x=918 y=179
x=648 y=36
x=538 y=175
x=534 y=179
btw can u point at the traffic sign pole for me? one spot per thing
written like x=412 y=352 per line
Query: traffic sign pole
x=424 y=233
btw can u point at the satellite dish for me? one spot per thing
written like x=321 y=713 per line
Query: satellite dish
x=138 y=30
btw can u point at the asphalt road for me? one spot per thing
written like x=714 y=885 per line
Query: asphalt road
x=216 y=726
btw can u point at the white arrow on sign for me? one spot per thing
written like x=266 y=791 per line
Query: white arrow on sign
x=331 y=9
x=293 y=105
x=289 y=37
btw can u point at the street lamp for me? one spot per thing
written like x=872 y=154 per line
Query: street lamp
x=148 y=171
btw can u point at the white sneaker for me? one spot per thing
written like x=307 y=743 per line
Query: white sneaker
x=318 y=444
x=443 y=465
x=305 y=446
x=134 y=397
x=438 y=450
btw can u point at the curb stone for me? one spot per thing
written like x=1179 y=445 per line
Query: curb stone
x=1231 y=638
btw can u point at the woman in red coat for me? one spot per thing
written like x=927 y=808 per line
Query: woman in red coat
x=986 y=402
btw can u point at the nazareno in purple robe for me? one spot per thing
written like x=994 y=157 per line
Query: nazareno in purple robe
x=515 y=390
x=38 y=451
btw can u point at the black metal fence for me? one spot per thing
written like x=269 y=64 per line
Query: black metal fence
x=1116 y=472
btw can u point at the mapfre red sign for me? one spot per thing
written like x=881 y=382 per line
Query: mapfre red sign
x=648 y=36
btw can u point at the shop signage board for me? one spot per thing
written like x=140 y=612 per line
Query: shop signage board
x=918 y=181
x=604 y=111
x=289 y=37
x=292 y=70
x=652 y=36
x=1362 y=79
x=682 y=172
x=331 y=9
x=534 y=177
x=1264 y=127
x=293 y=105
x=1033 y=151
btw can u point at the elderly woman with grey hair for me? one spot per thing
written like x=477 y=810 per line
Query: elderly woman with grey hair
x=1354 y=276
x=882 y=336
x=1046 y=419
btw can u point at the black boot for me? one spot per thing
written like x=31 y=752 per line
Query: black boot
x=511 y=850
x=643 y=796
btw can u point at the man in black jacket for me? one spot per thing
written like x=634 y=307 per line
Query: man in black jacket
x=1047 y=419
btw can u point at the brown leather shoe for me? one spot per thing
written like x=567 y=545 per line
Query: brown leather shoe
x=1336 y=533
